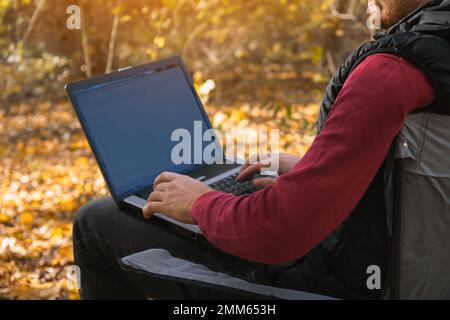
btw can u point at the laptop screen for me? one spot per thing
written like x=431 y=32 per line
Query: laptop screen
x=130 y=123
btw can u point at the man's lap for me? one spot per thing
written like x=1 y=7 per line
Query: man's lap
x=103 y=233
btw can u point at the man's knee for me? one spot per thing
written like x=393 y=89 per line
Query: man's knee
x=92 y=216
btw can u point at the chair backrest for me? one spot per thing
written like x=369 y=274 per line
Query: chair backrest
x=421 y=229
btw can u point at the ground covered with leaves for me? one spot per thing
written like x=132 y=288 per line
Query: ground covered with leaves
x=47 y=172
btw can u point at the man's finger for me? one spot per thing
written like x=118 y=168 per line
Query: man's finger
x=152 y=208
x=248 y=172
x=163 y=186
x=253 y=169
x=156 y=196
x=254 y=159
x=245 y=166
x=164 y=177
x=264 y=182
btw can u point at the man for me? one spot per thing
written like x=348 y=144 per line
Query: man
x=325 y=219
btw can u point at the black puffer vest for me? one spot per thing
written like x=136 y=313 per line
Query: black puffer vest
x=338 y=265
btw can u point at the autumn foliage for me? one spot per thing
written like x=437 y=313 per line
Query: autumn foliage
x=254 y=62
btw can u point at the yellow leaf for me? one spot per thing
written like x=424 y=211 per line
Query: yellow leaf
x=125 y=19
x=26 y=218
x=82 y=162
x=67 y=203
x=160 y=42
x=4 y=218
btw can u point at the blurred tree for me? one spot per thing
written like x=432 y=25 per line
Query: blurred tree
x=258 y=62
x=26 y=71
x=253 y=49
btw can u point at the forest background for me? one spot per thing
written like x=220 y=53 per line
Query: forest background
x=254 y=62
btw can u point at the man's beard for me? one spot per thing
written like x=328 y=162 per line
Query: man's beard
x=393 y=11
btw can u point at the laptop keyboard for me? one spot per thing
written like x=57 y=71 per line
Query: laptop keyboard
x=230 y=185
x=227 y=185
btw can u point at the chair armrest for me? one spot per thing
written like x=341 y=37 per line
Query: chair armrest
x=159 y=263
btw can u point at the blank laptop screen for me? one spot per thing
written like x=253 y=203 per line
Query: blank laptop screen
x=130 y=123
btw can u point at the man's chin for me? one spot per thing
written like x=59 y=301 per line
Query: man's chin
x=386 y=21
x=385 y=25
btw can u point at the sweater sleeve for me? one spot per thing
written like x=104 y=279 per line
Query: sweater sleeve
x=285 y=221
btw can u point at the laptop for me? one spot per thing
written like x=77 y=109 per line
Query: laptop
x=129 y=117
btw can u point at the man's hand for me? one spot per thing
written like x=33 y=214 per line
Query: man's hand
x=174 y=195
x=254 y=165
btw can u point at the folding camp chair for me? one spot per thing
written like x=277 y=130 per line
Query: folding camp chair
x=159 y=263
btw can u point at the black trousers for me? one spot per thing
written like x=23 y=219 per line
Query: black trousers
x=102 y=234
